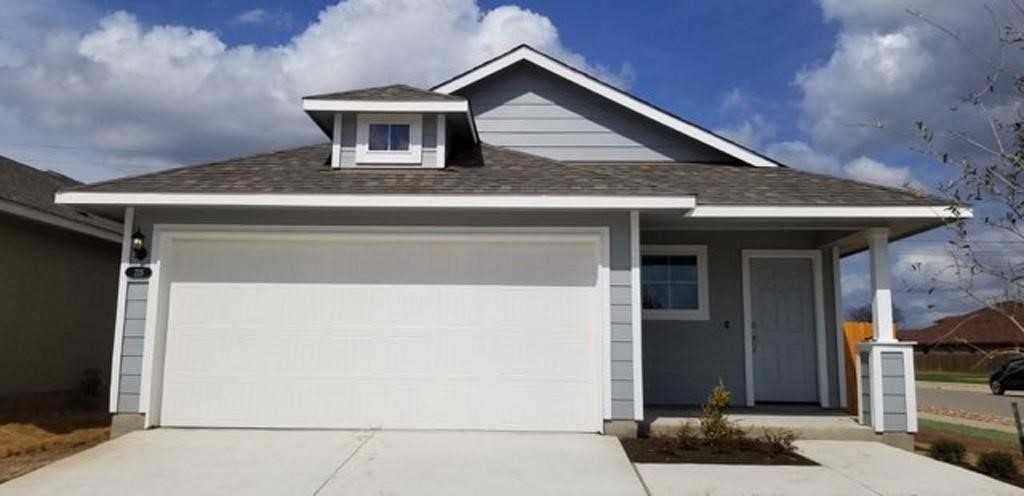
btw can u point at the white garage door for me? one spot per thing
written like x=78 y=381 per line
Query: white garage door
x=356 y=330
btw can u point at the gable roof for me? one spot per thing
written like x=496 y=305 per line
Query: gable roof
x=28 y=192
x=498 y=171
x=527 y=54
x=391 y=93
x=985 y=326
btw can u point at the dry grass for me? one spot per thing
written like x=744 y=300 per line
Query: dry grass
x=28 y=442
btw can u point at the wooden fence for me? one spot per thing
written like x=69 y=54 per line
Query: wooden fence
x=854 y=333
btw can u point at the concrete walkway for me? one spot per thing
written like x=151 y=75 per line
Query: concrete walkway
x=167 y=462
x=846 y=468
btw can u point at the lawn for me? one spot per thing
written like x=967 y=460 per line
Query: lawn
x=28 y=442
x=960 y=377
x=976 y=441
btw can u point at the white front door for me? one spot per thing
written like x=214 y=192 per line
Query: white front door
x=356 y=330
x=782 y=322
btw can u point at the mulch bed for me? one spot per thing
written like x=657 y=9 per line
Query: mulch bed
x=29 y=441
x=644 y=450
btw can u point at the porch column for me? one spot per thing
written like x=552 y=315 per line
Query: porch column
x=881 y=299
x=890 y=402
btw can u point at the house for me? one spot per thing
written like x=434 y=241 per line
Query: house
x=521 y=247
x=971 y=342
x=58 y=278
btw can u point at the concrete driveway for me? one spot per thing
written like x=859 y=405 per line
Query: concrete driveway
x=258 y=462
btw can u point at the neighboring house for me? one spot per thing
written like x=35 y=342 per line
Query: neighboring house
x=972 y=342
x=58 y=282
x=523 y=247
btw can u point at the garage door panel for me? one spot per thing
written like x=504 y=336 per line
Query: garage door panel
x=438 y=331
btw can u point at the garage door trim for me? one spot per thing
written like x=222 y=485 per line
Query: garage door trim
x=164 y=236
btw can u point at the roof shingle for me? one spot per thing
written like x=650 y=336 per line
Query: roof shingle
x=392 y=93
x=496 y=170
x=33 y=188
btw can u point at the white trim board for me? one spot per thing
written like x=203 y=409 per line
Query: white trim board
x=837 y=302
x=57 y=221
x=165 y=234
x=318 y=105
x=526 y=53
x=826 y=211
x=819 y=319
x=532 y=202
x=636 y=316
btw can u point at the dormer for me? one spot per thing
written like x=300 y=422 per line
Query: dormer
x=394 y=126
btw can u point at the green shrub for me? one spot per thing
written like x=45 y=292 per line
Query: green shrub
x=715 y=426
x=778 y=441
x=947 y=450
x=998 y=464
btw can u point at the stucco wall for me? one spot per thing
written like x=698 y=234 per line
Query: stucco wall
x=57 y=302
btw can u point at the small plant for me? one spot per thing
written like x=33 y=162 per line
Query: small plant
x=715 y=426
x=778 y=441
x=947 y=450
x=684 y=438
x=998 y=464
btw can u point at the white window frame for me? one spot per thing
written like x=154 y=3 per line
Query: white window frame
x=703 y=310
x=414 y=155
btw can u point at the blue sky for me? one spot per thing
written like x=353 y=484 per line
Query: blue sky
x=130 y=87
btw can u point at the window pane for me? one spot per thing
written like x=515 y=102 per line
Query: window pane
x=400 y=137
x=655 y=296
x=654 y=269
x=378 y=137
x=683 y=269
x=684 y=297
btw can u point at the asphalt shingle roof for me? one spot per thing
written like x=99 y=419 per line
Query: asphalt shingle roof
x=33 y=188
x=985 y=326
x=496 y=170
x=394 y=93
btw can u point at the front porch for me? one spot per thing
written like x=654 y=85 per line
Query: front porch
x=756 y=304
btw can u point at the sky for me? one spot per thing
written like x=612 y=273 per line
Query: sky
x=97 y=89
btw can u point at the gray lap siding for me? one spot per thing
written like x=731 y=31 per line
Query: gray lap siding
x=619 y=260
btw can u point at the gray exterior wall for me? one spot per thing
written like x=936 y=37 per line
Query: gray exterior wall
x=683 y=360
x=57 y=305
x=131 y=347
x=348 y=139
x=619 y=258
x=531 y=110
x=865 y=387
x=894 y=398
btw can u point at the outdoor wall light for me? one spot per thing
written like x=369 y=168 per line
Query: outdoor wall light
x=139 y=245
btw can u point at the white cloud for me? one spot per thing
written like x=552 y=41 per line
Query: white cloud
x=802 y=156
x=752 y=132
x=252 y=16
x=872 y=171
x=892 y=68
x=157 y=95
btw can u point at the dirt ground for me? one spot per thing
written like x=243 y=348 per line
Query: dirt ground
x=28 y=442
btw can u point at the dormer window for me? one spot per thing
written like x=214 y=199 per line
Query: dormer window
x=389 y=138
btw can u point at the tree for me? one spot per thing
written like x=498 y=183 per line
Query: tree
x=862 y=313
x=988 y=171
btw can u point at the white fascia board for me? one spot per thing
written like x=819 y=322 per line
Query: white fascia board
x=800 y=212
x=57 y=221
x=384 y=106
x=383 y=201
x=611 y=93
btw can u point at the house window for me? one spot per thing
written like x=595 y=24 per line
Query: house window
x=389 y=139
x=674 y=282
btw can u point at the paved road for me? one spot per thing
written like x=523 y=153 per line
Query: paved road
x=982 y=402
